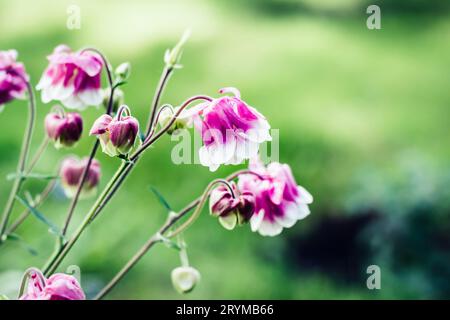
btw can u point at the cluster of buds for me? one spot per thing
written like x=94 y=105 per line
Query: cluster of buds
x=117 y=135
x=71 y=172
x=64 y=128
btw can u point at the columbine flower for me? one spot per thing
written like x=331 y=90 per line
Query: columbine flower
x=184 y=279
x=12 y=76
x=231 y=130
x=117 y=135
x=279 y=201
x=71 y=173
x=231 y=210
x=74 y=78
x=59 y=286
x=64 y=129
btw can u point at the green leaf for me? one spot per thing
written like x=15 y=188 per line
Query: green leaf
x=22 y=243
x=161 y=199
x=39 y=176
x=53 y=229
x=3 y=297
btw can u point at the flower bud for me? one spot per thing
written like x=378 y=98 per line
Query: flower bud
x=117 y=135
x=123 y=71
x=172 y=57
x=71 y=173
x=166 y=116
x=64 y=130
x=184 y=279
x=231 y=210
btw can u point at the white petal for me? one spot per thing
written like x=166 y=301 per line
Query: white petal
x=91 y=97
x=270 y=229
x=60 y=92
x=304 y=197
x=73 y=102
x=256 y=220
x=303 y=211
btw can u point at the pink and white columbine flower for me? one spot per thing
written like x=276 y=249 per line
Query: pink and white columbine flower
x=59 y=286
x=279 y=201
x=231 y=130
x=12 y=77
x=74 y=78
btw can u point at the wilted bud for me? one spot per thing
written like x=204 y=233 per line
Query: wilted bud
x=64 y=130
x=123 y=71
x=231 y=210
x=118 y=98
x=71 y=173
x=184 y=279
x=117 y=135
x=172 y=57
x=166 y=116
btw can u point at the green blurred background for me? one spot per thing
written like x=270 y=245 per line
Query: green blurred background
x=364 y=123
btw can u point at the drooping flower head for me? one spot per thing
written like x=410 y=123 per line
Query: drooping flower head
x=231 y=130
x=71 y=173
x=279 y=201
x=232 y=209
x=64 y=129
x=74 y=78
x=117 y=135
x=12 y=76
x=59 y=286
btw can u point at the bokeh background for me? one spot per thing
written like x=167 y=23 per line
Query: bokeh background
x=364 y=123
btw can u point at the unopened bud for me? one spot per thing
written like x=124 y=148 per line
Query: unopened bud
x=184 y=279
x=71 y=172
x=117 y=135
x=231 y=210
x=123 y=71
x=172 y=57
x=64 y=130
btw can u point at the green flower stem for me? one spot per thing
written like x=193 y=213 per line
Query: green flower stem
x=159 y=90
x=22 y=161
x=171 y=221
x=62 y=251
x=76 y=197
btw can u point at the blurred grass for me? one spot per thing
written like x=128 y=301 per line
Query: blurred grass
x=344 y=98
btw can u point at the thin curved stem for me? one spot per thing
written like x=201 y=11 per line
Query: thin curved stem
x=107 y=194
x=42 y=197
x=76 y=197
x=199 y=207
x=171 y=221
x=59 y=255
x=141 y=252
x=43 y=146
x=152 y=139
x=159 y=90
x=22 y=159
